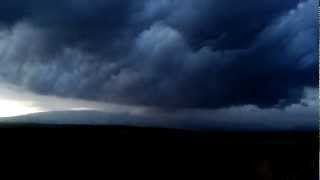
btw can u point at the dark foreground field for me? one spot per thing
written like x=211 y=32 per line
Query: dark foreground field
x=215 y=155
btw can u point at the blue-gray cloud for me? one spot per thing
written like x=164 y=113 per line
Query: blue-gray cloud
x=168 y=53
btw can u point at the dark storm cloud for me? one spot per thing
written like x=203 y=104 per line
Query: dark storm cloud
x=90 y=25
x=168 y=53
x=226 y=24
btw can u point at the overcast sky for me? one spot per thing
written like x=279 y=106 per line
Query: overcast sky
x=190 y=62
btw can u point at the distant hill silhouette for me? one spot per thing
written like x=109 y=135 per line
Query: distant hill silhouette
x=220 y=154
x=98 y=118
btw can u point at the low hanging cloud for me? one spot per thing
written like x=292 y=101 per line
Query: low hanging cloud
x=296 y=117
x=162 y=54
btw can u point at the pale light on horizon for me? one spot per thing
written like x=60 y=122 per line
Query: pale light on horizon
x=10 y=108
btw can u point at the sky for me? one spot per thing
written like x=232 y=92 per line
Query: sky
x=182 y=62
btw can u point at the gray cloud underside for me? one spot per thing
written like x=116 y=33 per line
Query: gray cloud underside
x=296 y=117
x=202 y=54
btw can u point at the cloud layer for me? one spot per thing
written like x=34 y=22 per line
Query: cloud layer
x=296 y=117
x=166 y=53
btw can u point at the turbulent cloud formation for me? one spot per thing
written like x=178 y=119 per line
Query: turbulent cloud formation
x=165 y=53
